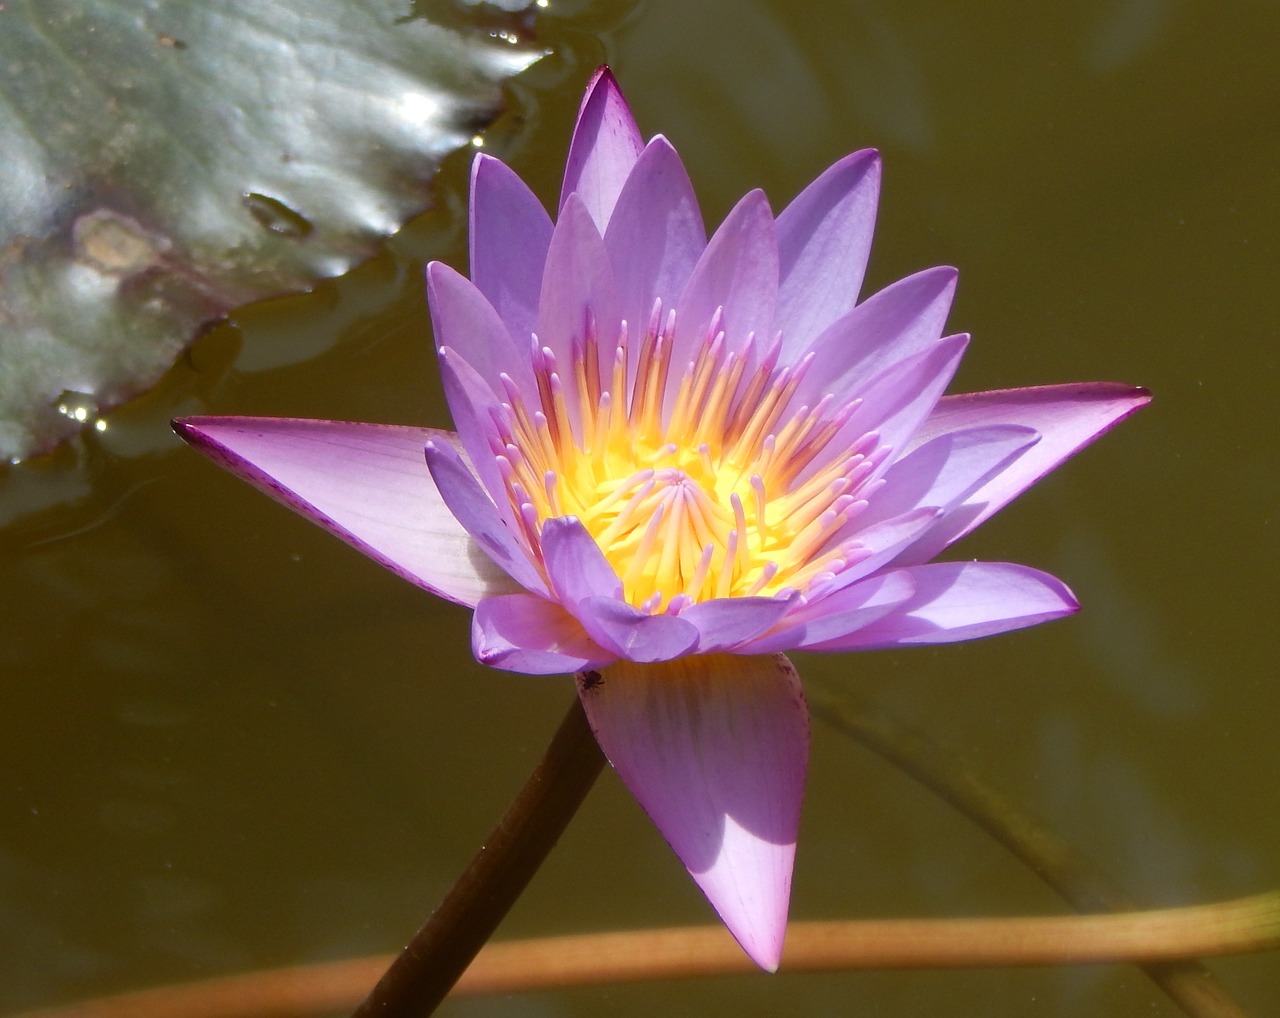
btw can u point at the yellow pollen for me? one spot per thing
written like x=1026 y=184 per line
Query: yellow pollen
x=718 y=488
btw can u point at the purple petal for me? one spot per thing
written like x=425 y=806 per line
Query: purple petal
x=827 y=622
x=824 y=240
x=470 y=400
x=577 y=291
x=524 y=633
x=365 y=483
x=724 y=623
x=633 y=634
x=715 y=749
x=589 y=588
x=473 y=508
x=738 y=272
x=655 y=235
x=605 y=146
x=1068 y=418
x=510 y=233
x=879 y=543
x=903 y=319
x=964 y=601
x=946 y=470
x=897 y=400
x=464 y=319
x=576 y=565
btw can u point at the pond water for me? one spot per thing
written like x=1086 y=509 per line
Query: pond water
x=228 y=742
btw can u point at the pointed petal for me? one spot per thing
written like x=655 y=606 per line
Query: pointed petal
x=898 y=399
x=964 y=601
x=903 y=319
x=878 y=544
x=510 y=233
x=1068 y=418
x=470 y=401
x=365 y=483
x=472 y=507
x=725 y=623
x=605 y=146
x=523 y=633
x=739 y=272
x=578 y=292
x=944 y=472
x=836 y=617
x=824 y=240
x=715 y=748
x=464 y=319
x=655 y=235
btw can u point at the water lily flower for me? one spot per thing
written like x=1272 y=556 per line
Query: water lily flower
x=677 y=458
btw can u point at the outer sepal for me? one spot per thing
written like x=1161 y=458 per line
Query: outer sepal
x=365 y=483
x=715 y=748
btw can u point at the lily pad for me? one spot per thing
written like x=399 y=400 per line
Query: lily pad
x=168 y=161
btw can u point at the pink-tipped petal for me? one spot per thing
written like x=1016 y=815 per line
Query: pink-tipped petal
x=606 y=144
x=715 y=748
x=956 y=601
x=510 y=234
x=473 y=508
x=365 y=483
x=903 y=319
x=1068 y=418
x=824 y=240
x=463 y=318
x=528 y=634
x=738 y=272
x=655 y=235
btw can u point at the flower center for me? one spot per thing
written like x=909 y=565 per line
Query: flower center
x=718 y=489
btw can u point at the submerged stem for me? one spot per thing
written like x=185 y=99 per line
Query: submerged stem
x=591 y=959
x=1188 y=982
x=424 y=972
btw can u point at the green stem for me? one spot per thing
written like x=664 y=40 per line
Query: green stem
x=424 y=972
x=1188 y=983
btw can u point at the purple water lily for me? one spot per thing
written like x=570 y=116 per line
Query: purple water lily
x=677 y=458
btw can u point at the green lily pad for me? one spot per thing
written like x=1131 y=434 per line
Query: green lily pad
x=167 y=161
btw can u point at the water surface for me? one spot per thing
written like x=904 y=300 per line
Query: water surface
x=228 y=742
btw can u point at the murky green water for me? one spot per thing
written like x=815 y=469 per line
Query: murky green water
x=228 y=742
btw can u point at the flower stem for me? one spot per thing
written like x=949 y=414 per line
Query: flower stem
x=425 y=971
x=1187 y=982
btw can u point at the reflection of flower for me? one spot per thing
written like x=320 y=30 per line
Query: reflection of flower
x=677 y=458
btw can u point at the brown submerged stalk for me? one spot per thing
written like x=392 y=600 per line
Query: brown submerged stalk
x=514 y=966
x=1074 y=877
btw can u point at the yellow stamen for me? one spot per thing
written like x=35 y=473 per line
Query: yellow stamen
x=723 y=489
